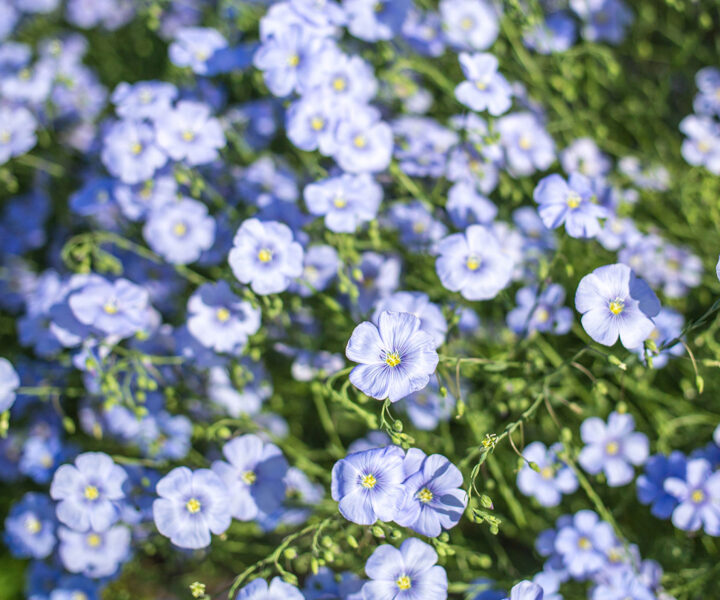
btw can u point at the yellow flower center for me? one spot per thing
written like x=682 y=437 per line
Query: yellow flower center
x=360 y=141
x=612 y=448
x=94 y=540
x=317 y=123
x=698 y=496
x=703 y=146
x=368 y=481
x=249 y=477
x=525 y=142
x=418 y=227
x=339 y=84
x=188 y=136
x=480 y=85
x=25 y=74
x=584 y=543
x=79 y=596
x=547 y=473
x=542 y=315
x=293 y=60
x=264 y=255
x=193 y=505
x=222 y=314
x=4 y=137
x=404 y=582
x=340 y=202
x=616 y=306
x=573 y=200
x=179 y=229
x=472 y=262
x=32 y=525
x=393 y=359
x=136 y=148
x=110 y=308
x=91 y=492
x=46 y=461
x=467 y=23
x=425 y=495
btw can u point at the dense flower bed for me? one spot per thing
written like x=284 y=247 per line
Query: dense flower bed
x=359 y=300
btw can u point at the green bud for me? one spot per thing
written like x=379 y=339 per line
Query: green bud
x=534 y=466
x=486 y=501
x=197 y=589
x=378 y=532
x=290 y=553
x=326 y=541
x=398 y=425
x=314 y=566
x=352 y=542
x=328 y=556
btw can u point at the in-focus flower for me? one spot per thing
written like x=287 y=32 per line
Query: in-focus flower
x=189 y=133
x=87 y=492
x=473 y=263
x=265 y=256
x=434 y=498
x=368 y=485
x=191 y=504
x=616 y=303
x=180 y=231
x=221 y=320
x=118 y=308
x=431 y=317
x=406 y=573
x=258 y=589
x=346 y=201
x=698 y=495
x=583 y=544
x=612 y=448
x=485 y=88
x=254 y=475
x=30 y=527
x=397 y=357
x=650 y=485
x=552 y=478
x=572 y=203
x=9 y=382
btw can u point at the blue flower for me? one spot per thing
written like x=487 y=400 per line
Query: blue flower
x=258 y=589
x=94 y=554
x=76 y=587
x=526 y=590
x=323 y=586
x=604 y=20
x=194 y=47
x=431 y=317
x=584 y=543
x=9 y=382
x=286 y=58
x=30 y=527
x=473 y=263
x=376 y=276
x=571 y=203
x=397 y=357
x=189 y=133
x=405 y=573
x=428 y=407
x=485 y=88
x=319 y=269
x=469 y=24
x=418 y=229
x=612 y=448
x=346 y=201
x=368 y=485
x=702 y=146
x=364 y=142
x=88 y=491
x=254 y=476
x=191 y=504
x=17 y=132
x=527 y=145
x=708 y=99
x=552 y=478
x=311 y=122
x=556 y=33
x=623 y=584
x=466 y=207
x=130 y=151
x=584 y=156
x=543 y=312
x=180 y=231
x=120 y=308
x=265 y=256
x=373 y=20
x=220 y=320
x=144 y=99
x=650 y=485
x=668 y=326
x=615 y=303
x=434 y=498
x=698 y=496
